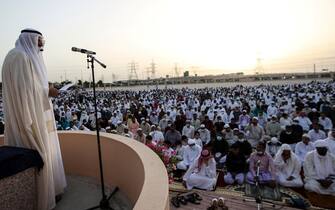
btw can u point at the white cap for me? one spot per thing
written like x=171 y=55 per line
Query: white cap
x=202 y=126
x=274 y=140
x=226 y=126
x=191 y=141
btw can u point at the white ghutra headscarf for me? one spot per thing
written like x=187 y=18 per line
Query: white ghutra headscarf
x=323 y=164
x=292 y=163
x=28 y=43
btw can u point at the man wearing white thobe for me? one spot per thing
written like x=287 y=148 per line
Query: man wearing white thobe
x=319 y=170
x=29 y=114
x=288 y=167
x=205 y=134
x=188 y=130
x=331 y=141
x=272 y=110
x=316 y=133
x=202 y=172
x=157 y=135
x=325 y=122
x=303 y=147
x=304 y=121
x=191 y=153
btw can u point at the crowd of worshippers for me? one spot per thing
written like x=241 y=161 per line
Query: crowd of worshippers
x=288 y=129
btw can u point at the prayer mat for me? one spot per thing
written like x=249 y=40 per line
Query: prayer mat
x=283 y=196
x=266 y=192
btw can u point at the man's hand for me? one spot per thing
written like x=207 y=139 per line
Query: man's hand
x=290 y=178
x=53 y=92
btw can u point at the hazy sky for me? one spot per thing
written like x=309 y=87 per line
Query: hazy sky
x=203 y=36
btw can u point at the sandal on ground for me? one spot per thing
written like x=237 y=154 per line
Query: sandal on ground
x=197 y=196
x=190 y=198
x=175 y=202
x=214 y=205
x=221 y=203
x=182 y=199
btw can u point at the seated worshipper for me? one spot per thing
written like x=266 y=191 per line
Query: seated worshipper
x=303 y=147
x=202 y=172
x=145 y=126
x=325 y=122
x=285 y=120
x=120 y=127
x=188 y=130
x=127 y=133
x=148 y=141
x=157 y=135
x=331 y=141
x=288 y=167
x=244 y=120
x=244 y=145
x=272 y=146
x=197 y=139
x=319 y=170
x=191 y=153
x=140 y=136
x=267 y=169
x=304 y=121
x=172 y=135
x=205 y=134
x=236 y=165
x=181 y=147
x=273 y=127
x=297 y=130
x=254 y=132
x=220 y=148
x=316 y=133
x=133 y=125
x=219 y=124
x=288 y=137
x=168 y=150
x=229 y=135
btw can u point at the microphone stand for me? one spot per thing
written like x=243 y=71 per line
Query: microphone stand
x=104 y=203
x=258 y=195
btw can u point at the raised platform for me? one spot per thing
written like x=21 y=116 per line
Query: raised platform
x=84 y=192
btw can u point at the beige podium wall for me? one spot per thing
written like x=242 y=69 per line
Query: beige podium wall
x=128 y=164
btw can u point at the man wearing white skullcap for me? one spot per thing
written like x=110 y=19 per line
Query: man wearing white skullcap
x=303 y=147
x=191 y=153
x=319 y=170
x=29 y=114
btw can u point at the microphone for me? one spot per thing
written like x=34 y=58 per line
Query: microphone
x=258 y=163
x=75 y=49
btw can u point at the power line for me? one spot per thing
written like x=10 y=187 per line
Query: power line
x=132 y=71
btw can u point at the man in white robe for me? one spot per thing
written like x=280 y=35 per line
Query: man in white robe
x=188 y=130
x=29 y=114
x=202 y=173
x=288 y=167
x=205 y=134
x=157 y=135
x=316 y=133
x=191 y=153
x=303 y=147
x=331 y=141
x=319 y=170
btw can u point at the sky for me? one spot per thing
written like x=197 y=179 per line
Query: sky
x=201 y=36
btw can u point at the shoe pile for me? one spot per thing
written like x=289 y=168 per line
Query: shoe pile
x=186 y=198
